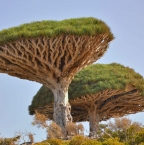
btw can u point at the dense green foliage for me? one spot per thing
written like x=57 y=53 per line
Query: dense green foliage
x=44 y=96
x=99 y=77
x=93 y=79
x=77 y=26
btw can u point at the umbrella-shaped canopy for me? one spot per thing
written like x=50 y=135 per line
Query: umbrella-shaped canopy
x=112 y=90
x=52 y=52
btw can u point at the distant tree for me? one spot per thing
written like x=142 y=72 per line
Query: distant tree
x=119 y=127
x=131 y=133
x=51 y=53
x=9 y=141
x=98 y=92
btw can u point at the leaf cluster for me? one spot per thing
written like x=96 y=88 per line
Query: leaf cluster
x=99 y=77
x=78 y=26
x=44 y=96
x=92 y=80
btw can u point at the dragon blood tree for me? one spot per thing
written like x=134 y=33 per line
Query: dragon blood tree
x=51 y=53
x=97 y=93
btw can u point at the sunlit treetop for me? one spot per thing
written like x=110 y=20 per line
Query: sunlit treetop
x=52 y=52
x=78 y=26
x=96 y=79
x=99 y=77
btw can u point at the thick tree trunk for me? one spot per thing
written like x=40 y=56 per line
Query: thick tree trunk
x=93 y=122
x=62 y=108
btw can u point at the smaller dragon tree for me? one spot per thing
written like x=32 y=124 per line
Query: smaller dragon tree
x=97 y=93
x=51 y=53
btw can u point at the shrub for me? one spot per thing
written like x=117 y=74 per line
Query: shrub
x=140 y=137
x=9 y=141
x=112 y=141
x=92 y=142
x=54 y=131
x=55 y=141
x=74 y=129
x=81 y=140
x=77 y=140
x=51 y=142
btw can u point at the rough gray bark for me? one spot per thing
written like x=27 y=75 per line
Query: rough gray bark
x=93 y=123
x=62 y=108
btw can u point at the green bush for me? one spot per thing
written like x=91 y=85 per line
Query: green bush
x=92 y=142
x=77 y=140
x=53 y=141
x=9 y=141
x=80 y=140
x=140 y=137
x=112 y=141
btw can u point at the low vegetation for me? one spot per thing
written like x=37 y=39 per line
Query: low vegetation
x=120 y=131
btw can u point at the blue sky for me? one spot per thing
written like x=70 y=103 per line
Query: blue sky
x=126 y=20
